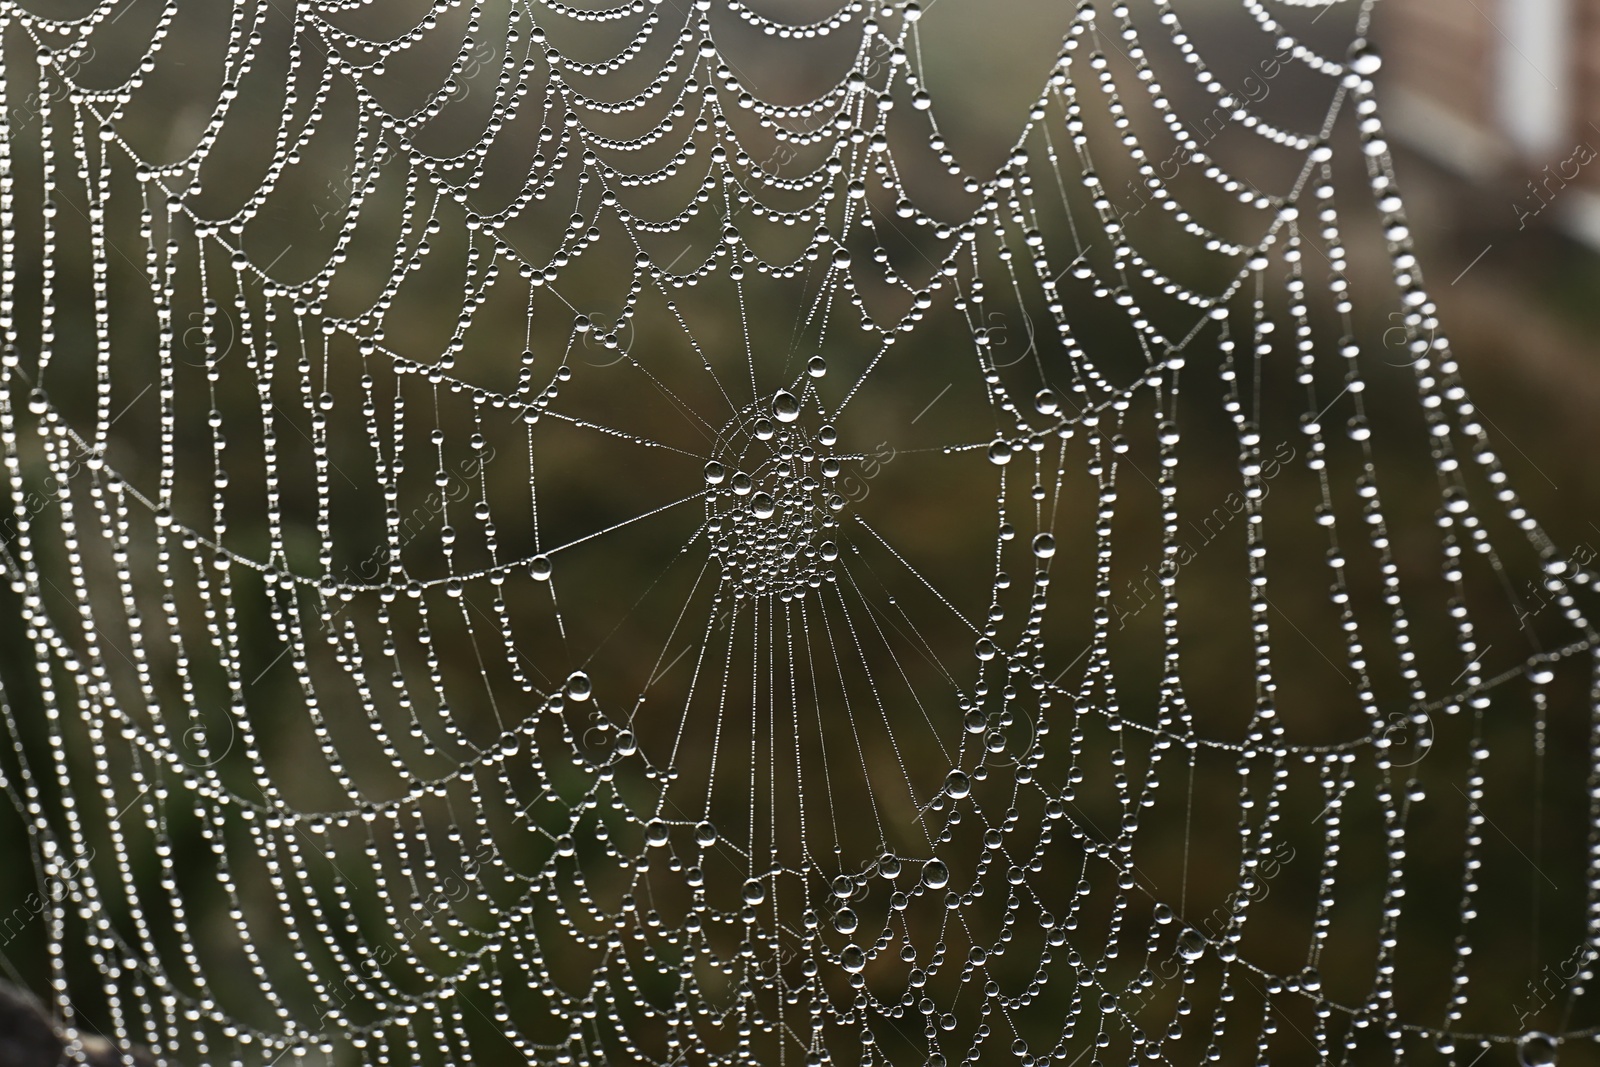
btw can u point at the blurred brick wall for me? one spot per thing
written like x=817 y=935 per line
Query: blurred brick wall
x=1451 y=68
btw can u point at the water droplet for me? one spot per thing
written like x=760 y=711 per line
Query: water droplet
x=828 y=435
x=38 y=402
x=655 y=833
x=889 y=865
x=565 y=846
x=845 y=921
x=1364 y=59
x=1163 y=914
x=742 y=484
x=578 y=686
x=985 y=649
x=1000 y=453
x=715 y=473
x=627 y=743
x=762 y=505
x=843 y=887
x=1108 y=1003
x=765 y=431
x=705 y=835
x=1191 y=945
x=1046 y=402
x=1044 y=545
x=935 y=875
x=754 y=892
x=1535 y=1049
x=853 y=959
x=539 y=568
x=786 y=406
x=816 y=366
x=957 y=784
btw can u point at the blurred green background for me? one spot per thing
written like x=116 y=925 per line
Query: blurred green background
x=760 y=715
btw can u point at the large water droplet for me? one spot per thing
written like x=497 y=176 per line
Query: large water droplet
x=715 y=473
x=845 y=921
x=539 y=567
x=1364 y=59
x=1044 y=545
x=1163 y=914
x=935 y=875
x=742 y=484
x=889 y=865
x=985 y=649
x=1191 y=945
x=957 y=784
x=853 y=959
x=1000 y=453
x=705 y=835
x=754 y=892
x=816 y=366
x=1046 y=402
x=578 y=686
x=762 y=505
x=655 y=833
x=785 y=406
x=1535 y=1049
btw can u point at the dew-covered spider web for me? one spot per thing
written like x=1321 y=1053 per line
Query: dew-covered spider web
x=710 y=531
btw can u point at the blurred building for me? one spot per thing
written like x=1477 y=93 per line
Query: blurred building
x=1505 y=94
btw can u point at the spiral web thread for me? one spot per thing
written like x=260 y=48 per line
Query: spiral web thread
x=320 y=757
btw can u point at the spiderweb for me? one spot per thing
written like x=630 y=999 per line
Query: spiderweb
x=677 y=556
